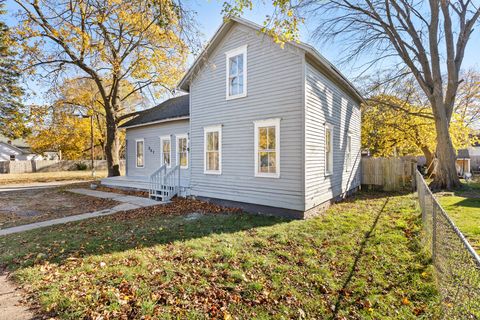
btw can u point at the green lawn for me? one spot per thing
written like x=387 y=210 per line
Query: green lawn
x=363 y=259
x=464 y=209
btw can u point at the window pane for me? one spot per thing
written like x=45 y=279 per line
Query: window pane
x=212 y=161
x=139 y=153
x=214 y=140
x=183 y=159
x=272 y=162
x=262 y=138
x=271 y=138
x=166 y=159
x=240 y=85
x=240 y=63
x=327 y=140
x=263 y=161
x=233 y=66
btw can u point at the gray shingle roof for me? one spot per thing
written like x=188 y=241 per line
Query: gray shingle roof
x=176 y=107
x=463 y=154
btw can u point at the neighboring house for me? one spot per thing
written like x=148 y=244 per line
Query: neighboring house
x=267 y=129
x=463 y=162
x=474 y=153
x=18 y=149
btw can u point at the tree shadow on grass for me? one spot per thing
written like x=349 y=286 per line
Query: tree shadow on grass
x=358 y=256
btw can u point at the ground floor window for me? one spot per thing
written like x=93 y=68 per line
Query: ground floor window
x=267 y=148
x=140 y=161
x=182 y=150
x=213 y=149
x=166 y=153
x=328 y=149
x=348 y=153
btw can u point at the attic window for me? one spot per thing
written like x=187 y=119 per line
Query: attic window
x=236 y=73
x=12 y=157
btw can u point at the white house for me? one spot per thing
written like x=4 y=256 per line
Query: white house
x=263 y=128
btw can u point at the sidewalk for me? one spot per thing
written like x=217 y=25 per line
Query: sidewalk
x=11 y=307
x=127 y=203
x=35 y=185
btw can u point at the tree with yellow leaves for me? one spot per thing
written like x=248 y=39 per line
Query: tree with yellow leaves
x=57 y=129
x=113 y=43
x=394 y=127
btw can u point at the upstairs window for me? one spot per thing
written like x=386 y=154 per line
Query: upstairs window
x=267 y=148
x=237 y=73
x=348 y=153
x=328 y=149
x=182 y=150
x=12 y=157
x=165 y=143
x=213 y=150
x=139 y=153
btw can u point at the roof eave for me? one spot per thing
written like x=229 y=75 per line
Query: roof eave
x=154 y=122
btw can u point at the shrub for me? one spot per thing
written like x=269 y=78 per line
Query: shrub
x=81 y=166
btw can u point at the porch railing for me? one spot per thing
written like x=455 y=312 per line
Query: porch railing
x=165 y=184
x=156 y=180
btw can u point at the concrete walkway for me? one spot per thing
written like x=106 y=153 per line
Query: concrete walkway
x=11 y=307
x=127 y=203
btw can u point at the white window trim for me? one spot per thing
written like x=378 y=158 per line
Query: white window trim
x=231 y=53
x=165 y=138
x=136 y=153
x=267 y=123
x=348 y=167
x=177 y=156
x=217 y=128
x=328 y=127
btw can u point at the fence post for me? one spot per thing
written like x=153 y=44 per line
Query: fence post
x=434 y=232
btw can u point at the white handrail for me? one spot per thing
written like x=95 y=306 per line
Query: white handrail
x=163 y=183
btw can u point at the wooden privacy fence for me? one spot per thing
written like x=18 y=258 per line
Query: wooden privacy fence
x=389 y=174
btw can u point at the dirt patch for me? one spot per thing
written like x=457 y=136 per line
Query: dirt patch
x=28 y=206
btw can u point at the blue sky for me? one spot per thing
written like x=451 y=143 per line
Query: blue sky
x=209 y=19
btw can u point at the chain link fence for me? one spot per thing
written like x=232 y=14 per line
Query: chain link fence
x=456 y=263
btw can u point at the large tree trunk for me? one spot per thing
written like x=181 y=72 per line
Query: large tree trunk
x=112 y=145
x=445 y=173
x=428 y=159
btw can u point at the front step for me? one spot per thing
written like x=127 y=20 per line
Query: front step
x=162 y=195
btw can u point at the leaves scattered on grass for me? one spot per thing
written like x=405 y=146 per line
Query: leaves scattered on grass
x=241 y=266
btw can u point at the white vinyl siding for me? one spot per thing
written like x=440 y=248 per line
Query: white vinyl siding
x=328 y=149
x=236 y=72
x=212 y=145
x=275 y=86
x=267 y=148
x=182 y=151
x=166 y=149
x=152 y=134
x=139 y=153
x=327 y=103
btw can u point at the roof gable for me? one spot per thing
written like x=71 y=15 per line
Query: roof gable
x=325 y=66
